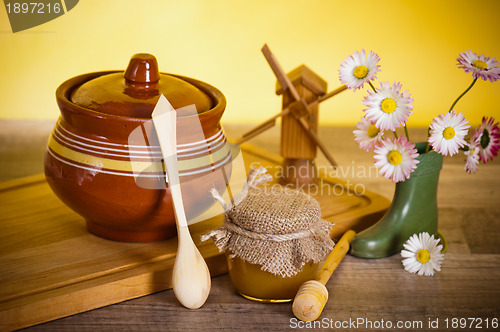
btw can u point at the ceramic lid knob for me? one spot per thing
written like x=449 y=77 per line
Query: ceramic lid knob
x=135 y=92
x=142 y=68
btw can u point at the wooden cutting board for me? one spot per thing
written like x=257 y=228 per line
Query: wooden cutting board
x=51 y=267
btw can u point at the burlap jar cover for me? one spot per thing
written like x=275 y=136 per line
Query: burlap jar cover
x=278 y=228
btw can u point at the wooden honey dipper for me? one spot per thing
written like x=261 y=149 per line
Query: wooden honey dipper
x=312 y=295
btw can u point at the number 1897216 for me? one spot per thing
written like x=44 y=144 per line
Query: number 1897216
x=33 y=8
x=470 y=323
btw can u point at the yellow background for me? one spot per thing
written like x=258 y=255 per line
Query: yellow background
x=219 y=41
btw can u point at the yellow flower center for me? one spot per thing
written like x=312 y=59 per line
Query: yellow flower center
x=373 y=131
x=388 y=105
x=423 y=256
x=395 y=157
x=449 y=133
x=360 y=72
x=480 y=64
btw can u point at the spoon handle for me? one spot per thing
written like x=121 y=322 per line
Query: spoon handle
x=164 y=120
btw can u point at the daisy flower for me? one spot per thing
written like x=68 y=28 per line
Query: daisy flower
x=388 y=108
x=359 y=68
x=422 y=254
x=488 y=136
x=481 y=66
x=447 y=132
x=472 y=155
x=396 y=158
x=367 y=135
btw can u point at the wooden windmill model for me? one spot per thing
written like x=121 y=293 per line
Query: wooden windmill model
x=302 y=91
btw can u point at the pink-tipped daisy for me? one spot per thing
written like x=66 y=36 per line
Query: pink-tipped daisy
x=488 y=136
x=388 y=109
x=396 y=158
x=359 y=68
x=447 y=132
x=422 y=254
x=472 y=155
x=481 y=66
x=367 y=135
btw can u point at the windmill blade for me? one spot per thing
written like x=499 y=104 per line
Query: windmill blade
x=256 y=131
x=268 y=124
x=332 y=93
x=278 y=71
x=272 y=121
x=312 y=134
x=285 y=83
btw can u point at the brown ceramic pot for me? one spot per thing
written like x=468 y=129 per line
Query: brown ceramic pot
x=103 y=158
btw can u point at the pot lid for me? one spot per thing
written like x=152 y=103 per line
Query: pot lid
x=135 y=92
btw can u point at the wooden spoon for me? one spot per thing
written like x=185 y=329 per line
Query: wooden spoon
x=191 y=277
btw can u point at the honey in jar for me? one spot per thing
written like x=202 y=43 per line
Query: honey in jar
x=255 y=284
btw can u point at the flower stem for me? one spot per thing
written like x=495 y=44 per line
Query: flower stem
x=406 y=133
x=369 y=82
x=463 y=93
x=428 y=147
x=395 y=134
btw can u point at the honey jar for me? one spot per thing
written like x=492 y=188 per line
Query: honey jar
x=274 y=239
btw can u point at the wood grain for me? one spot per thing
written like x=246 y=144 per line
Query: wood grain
x=53 y=267
x=468 y=285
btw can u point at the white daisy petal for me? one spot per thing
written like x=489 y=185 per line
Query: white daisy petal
x=406 y=253
x=413 y=266
x=426 y=270
x=413 y=243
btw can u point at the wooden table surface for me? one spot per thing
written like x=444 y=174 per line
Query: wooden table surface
x=364 y=294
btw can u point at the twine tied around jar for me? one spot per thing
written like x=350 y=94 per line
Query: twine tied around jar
x=276 y=227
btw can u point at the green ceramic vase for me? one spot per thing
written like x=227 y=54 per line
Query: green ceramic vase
x=413 y=210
